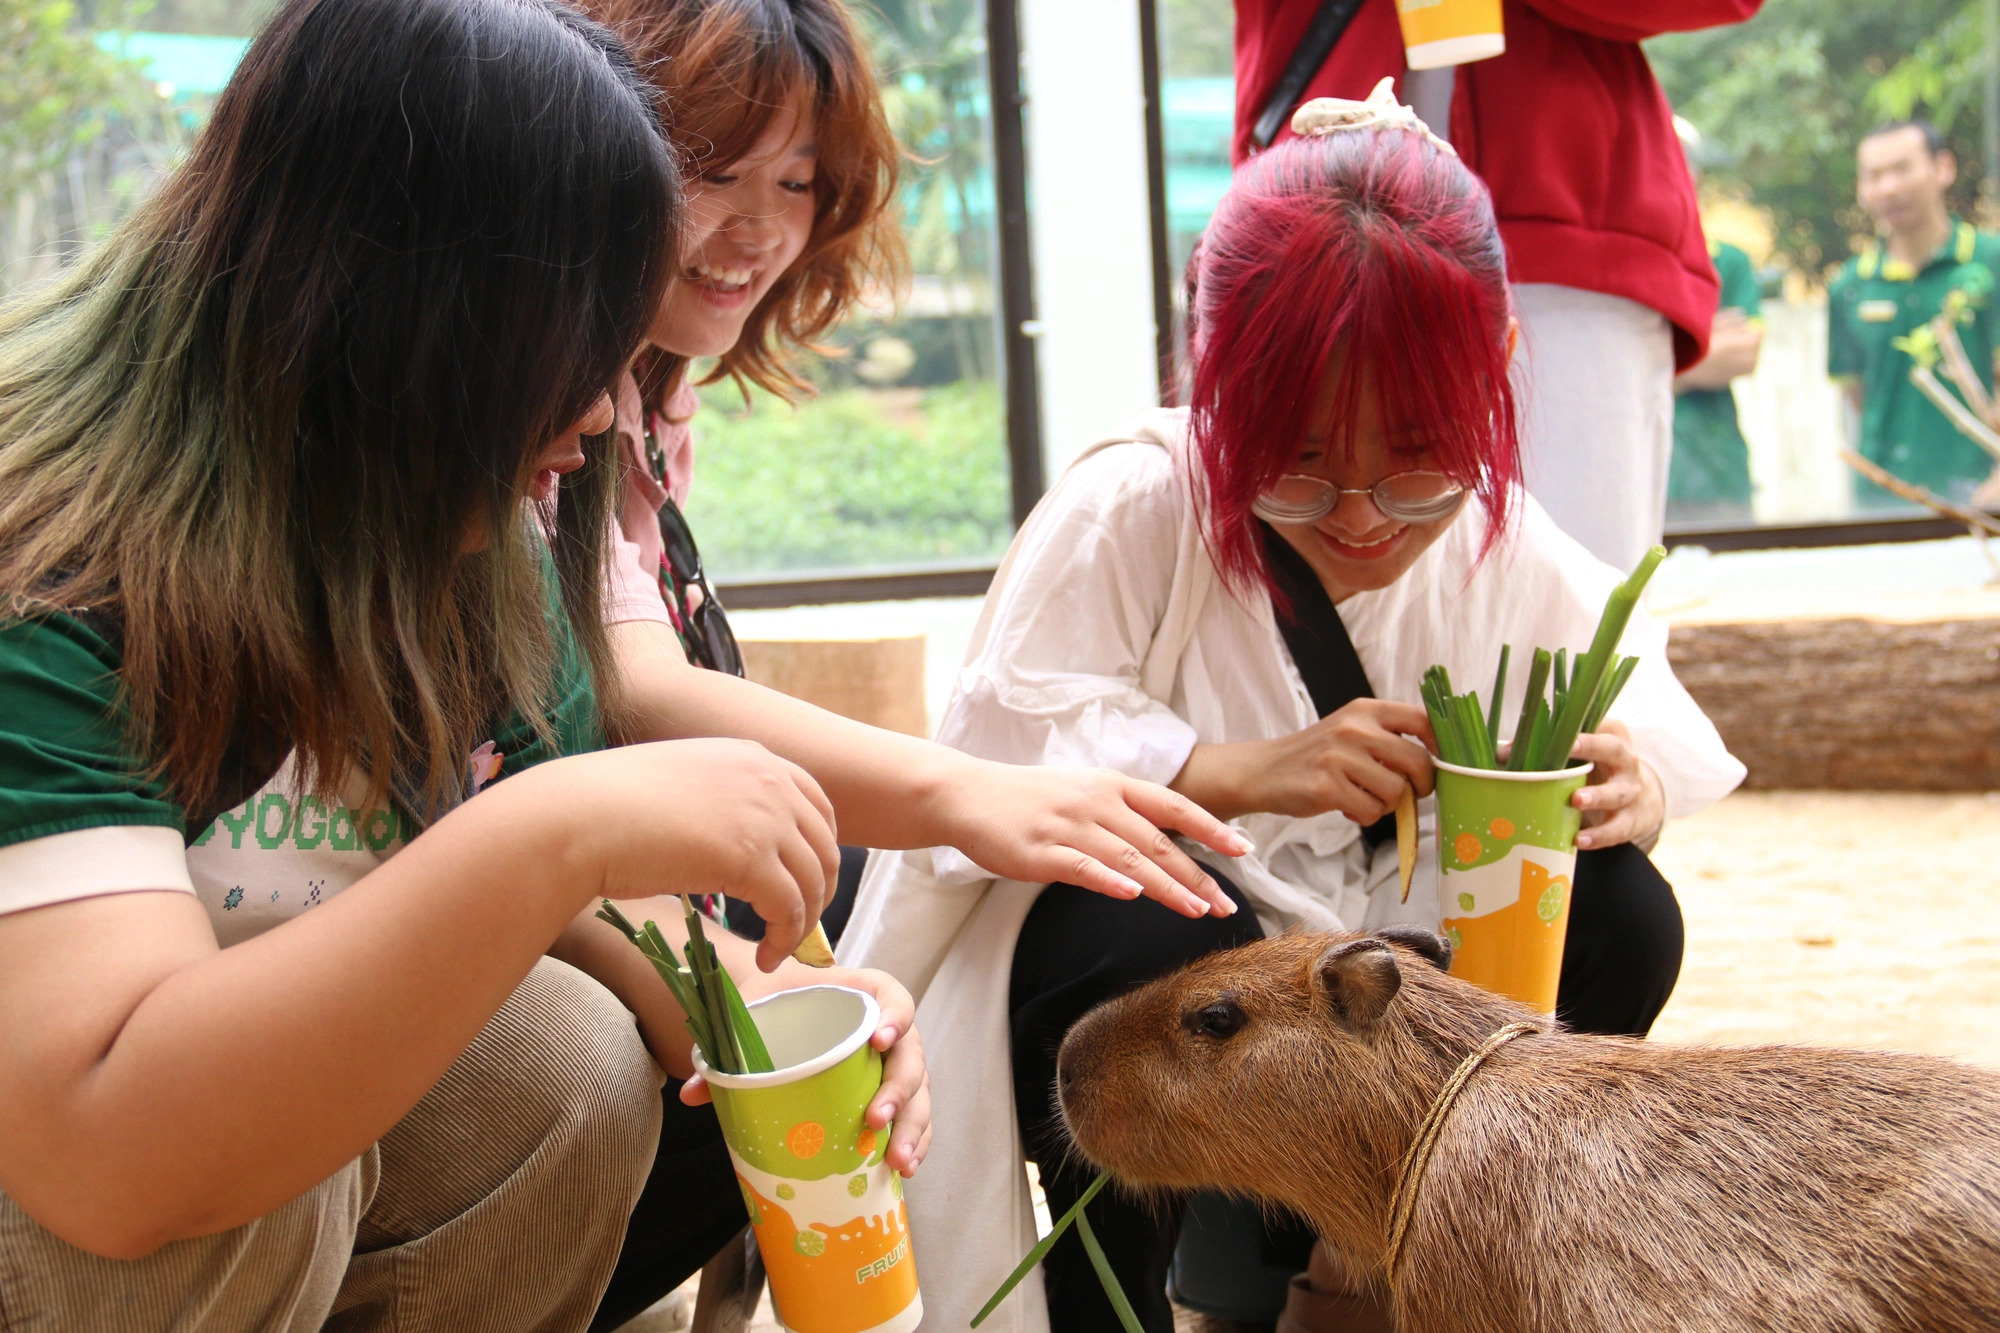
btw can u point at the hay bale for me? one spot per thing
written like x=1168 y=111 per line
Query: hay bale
x=1894 y=698
x=877 y=681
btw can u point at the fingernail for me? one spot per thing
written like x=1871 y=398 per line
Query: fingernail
x=886 y=1035
x=1243 y=845
x=888 y=1111
x=1132 y=887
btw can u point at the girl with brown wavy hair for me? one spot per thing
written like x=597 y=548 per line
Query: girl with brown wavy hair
x=774 y=109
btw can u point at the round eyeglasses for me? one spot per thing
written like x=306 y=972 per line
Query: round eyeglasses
x=1406 y=497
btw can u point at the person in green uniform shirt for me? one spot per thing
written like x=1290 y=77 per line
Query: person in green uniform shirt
x=1896 y=285
x=1710 y=477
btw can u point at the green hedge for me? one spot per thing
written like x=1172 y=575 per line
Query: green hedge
x=852 y=479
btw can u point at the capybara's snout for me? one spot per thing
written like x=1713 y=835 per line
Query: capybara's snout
x=1165 y=1086
x=1088 y=1053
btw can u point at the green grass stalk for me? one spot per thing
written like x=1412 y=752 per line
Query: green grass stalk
x=1499 y=693
x=1102 y=1264
x=1620 y=675
x=720 y=1022
x=756 y=1055
x=1610 y=629
x=1538 y=679
x=1041 y=1250
x=1473 y=724
x=703 y=963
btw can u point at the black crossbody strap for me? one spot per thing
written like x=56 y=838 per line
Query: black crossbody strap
x=1317 y=640
x=1315 y=45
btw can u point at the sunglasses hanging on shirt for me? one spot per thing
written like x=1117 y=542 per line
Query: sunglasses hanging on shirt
x=697 y=613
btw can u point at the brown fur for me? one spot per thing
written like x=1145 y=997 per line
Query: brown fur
x=1580 y=1183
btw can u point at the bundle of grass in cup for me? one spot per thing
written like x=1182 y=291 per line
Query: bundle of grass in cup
x=716 y=1014
x=1563 y=699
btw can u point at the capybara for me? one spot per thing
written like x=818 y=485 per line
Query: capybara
x=1577 y=1182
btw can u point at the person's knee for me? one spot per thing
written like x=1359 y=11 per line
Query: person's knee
x=1626 y=899
x=1072 y=933
x=559 y=1075
x=596 y=1080
x=1623 y=955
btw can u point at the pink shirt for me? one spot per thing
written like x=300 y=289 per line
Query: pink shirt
x=632 y=583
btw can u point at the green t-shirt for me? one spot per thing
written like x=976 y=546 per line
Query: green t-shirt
x=1875 y=301
x=1711 y=467
x=80 y=817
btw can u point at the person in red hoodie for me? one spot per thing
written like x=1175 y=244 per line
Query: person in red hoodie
x=1612 y=280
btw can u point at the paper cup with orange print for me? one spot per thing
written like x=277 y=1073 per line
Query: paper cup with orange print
x=1450 y=32
x=827 y=1209
x=1506 y=859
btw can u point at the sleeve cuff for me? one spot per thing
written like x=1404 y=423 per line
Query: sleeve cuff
x=90 y=863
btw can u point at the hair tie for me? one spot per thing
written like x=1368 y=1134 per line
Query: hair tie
x=1331 y=115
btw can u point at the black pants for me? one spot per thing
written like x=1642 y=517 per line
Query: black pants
x=691 y=1205
x=1078 y=949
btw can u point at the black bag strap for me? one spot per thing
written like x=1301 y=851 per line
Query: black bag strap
x=1317 y=640
x=1322 y=34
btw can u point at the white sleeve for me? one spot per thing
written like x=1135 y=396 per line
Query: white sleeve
x=90 y=863
x=1057 y=679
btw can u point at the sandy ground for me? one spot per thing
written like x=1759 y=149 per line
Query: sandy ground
x=1839 y=919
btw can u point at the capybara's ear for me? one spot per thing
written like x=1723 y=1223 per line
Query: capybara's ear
x=1426 y=942
x=1360 y=977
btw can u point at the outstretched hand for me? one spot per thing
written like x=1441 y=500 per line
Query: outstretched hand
x=1090 y=827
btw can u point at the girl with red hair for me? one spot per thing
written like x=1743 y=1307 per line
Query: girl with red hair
x=1239 y=598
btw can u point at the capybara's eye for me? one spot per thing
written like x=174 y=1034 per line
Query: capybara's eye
x=1220 y=1020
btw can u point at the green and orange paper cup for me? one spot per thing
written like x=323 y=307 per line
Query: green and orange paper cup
x=1506 y=861
x=827 y=1209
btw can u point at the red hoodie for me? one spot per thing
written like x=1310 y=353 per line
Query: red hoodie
x=1569 y=130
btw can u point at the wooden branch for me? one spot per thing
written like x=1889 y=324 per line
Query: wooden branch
x=1958 y=367
x=1895 y=485
x=1957 y=413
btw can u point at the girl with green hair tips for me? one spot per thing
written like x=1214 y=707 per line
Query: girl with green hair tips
x=314 y=759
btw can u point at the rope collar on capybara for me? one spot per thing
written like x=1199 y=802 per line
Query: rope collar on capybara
x=1411 y=1175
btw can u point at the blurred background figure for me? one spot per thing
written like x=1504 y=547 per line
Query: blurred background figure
x=1922 y=259
x=1613 y=283
x=1710 y=477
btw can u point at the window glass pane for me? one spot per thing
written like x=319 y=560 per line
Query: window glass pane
x=92 y=113
x=1779 y=106
x=1197 y=111
x=901 y=460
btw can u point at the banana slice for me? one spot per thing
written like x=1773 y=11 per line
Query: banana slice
x=815 y=951
x=1406 y=837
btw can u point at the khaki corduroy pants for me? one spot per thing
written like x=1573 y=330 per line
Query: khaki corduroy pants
x=497 y=1205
